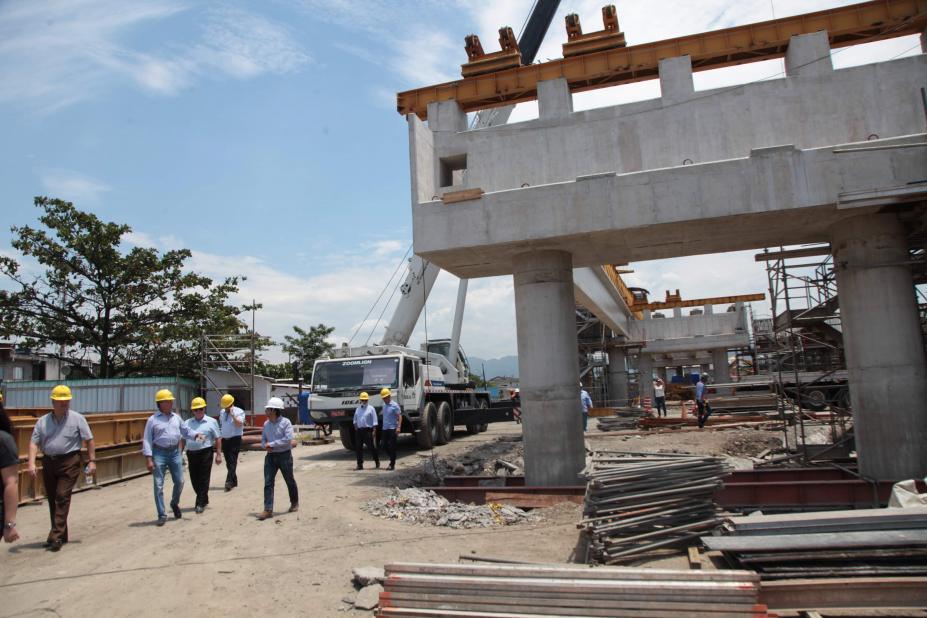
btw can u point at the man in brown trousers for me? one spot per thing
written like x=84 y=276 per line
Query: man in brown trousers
x=59 y=436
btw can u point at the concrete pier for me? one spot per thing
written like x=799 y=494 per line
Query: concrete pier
x=617 y=377
x=548 y=370
x=645 y=376
x=720 y=369
x=883 y=346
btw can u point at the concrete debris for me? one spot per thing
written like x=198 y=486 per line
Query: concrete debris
x=368 y=575
x=482 y=460
x=750 y=443
x=422 y=506
x=368 y=597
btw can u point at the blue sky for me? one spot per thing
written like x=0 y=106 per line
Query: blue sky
x=264 y=136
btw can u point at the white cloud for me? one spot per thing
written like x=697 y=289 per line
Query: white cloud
x=72 y=186
x=57 y=53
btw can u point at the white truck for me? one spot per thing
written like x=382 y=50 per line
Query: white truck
x=431 y=406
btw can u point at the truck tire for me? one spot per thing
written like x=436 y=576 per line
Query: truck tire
x=445 y=423
x=346 y=433
x=482 y=404
x=427 y=433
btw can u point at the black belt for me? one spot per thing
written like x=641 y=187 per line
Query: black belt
x=71 y=454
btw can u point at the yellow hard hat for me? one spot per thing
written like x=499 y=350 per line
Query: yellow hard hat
x=226 y=401
x=198 y=403
x=61 y=393
x=384 y=392
x=364 y=396
x=164 y=395
x=1 y=396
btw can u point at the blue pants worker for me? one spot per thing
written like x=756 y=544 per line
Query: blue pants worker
x=167 y=459
x=661 y=405
x=284 y=463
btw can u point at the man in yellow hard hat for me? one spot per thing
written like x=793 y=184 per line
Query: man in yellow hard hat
x=59 y=436
x=201 y=434
x=365 y=426
x=232 y=421
x=162 y=445
x=392 y=424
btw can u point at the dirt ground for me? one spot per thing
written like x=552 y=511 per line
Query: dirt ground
x=225 y=561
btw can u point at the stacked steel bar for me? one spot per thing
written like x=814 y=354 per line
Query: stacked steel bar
x=857 y=543
x=445 y=590
x=624 y=418
x=638 y=503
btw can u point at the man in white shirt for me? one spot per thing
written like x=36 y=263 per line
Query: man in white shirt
x=659 y=396
x=232 y=422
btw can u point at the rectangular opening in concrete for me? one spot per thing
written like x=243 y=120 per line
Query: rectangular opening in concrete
x=453 y=170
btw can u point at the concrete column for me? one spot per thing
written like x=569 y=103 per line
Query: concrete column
x=924 y=42
x=554 y=98
x=446 y=116
x=618 y=377
x=722 y=371
x=548 y=370
x=709 y=309
x=645 y=376
x=676 y=79
x=677 y=312
x=661 y=371
x=808 y=54
x=883 y=346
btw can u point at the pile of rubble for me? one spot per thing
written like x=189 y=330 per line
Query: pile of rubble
x=504 y=456
x=422 y=506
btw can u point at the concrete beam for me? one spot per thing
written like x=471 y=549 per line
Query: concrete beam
x=676 y=83
x=554 y=99
x=776 y=196
x=808 y=55
x=595 y=292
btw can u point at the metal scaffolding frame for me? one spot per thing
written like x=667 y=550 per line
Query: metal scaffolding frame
x=804 y=350
x=234 y=353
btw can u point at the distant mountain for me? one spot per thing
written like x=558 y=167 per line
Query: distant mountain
x=505 y=366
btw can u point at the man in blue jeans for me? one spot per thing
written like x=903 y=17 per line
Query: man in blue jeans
x=162 y=446
x=278 y=440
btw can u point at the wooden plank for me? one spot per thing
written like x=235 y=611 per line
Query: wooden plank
x=452 y=197
x=695 y=561
x=530 y=501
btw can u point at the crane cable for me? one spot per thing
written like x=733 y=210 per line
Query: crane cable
x=373 y=306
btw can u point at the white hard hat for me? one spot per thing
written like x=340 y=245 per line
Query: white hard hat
x=275 y=402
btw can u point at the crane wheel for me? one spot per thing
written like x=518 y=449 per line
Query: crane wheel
x=427 y=433
x=445 y=423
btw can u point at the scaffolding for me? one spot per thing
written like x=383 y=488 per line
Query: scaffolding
x=235 y=354
x=802 y=347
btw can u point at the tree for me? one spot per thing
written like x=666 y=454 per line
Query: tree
x=307 y=346
x=135 y=312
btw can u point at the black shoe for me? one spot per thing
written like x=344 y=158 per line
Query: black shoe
x=358 y=467
x=378 y=465
x=55 y=546
x=162 y=521
x=228 y=487
x=200 y=509
x=177 y=513
x=392 y=467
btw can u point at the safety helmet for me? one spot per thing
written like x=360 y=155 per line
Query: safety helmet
x=198 y=403
x=1 y=397
x=226 y=400
x=364 y=397
x=385 y=392
x=61 y=393
x=164 y=395
x=275 y=403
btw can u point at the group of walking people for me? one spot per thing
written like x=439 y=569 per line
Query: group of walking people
x=62 y=434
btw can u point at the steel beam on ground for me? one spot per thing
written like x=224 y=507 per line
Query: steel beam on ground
x=845 y=593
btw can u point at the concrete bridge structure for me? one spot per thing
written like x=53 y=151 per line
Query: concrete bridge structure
x=821 y=155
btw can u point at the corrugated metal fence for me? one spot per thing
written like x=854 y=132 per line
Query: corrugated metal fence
x=103 y=396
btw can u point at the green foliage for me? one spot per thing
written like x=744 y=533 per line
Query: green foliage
x=307 y=346
x=478 y=380
x=137 y=312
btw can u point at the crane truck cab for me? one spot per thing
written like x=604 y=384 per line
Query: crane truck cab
x=431 y=404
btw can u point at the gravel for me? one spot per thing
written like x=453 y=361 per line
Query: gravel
x=422 y=506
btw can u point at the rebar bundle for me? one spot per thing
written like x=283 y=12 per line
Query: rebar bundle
x=638 y=503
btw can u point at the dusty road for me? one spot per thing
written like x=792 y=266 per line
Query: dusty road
x=224 y=561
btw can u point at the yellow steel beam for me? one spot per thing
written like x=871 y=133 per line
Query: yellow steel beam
x=849 y=25
x=699 y=302
x=621 y=286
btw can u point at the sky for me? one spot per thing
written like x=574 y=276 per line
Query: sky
x=264 y=137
